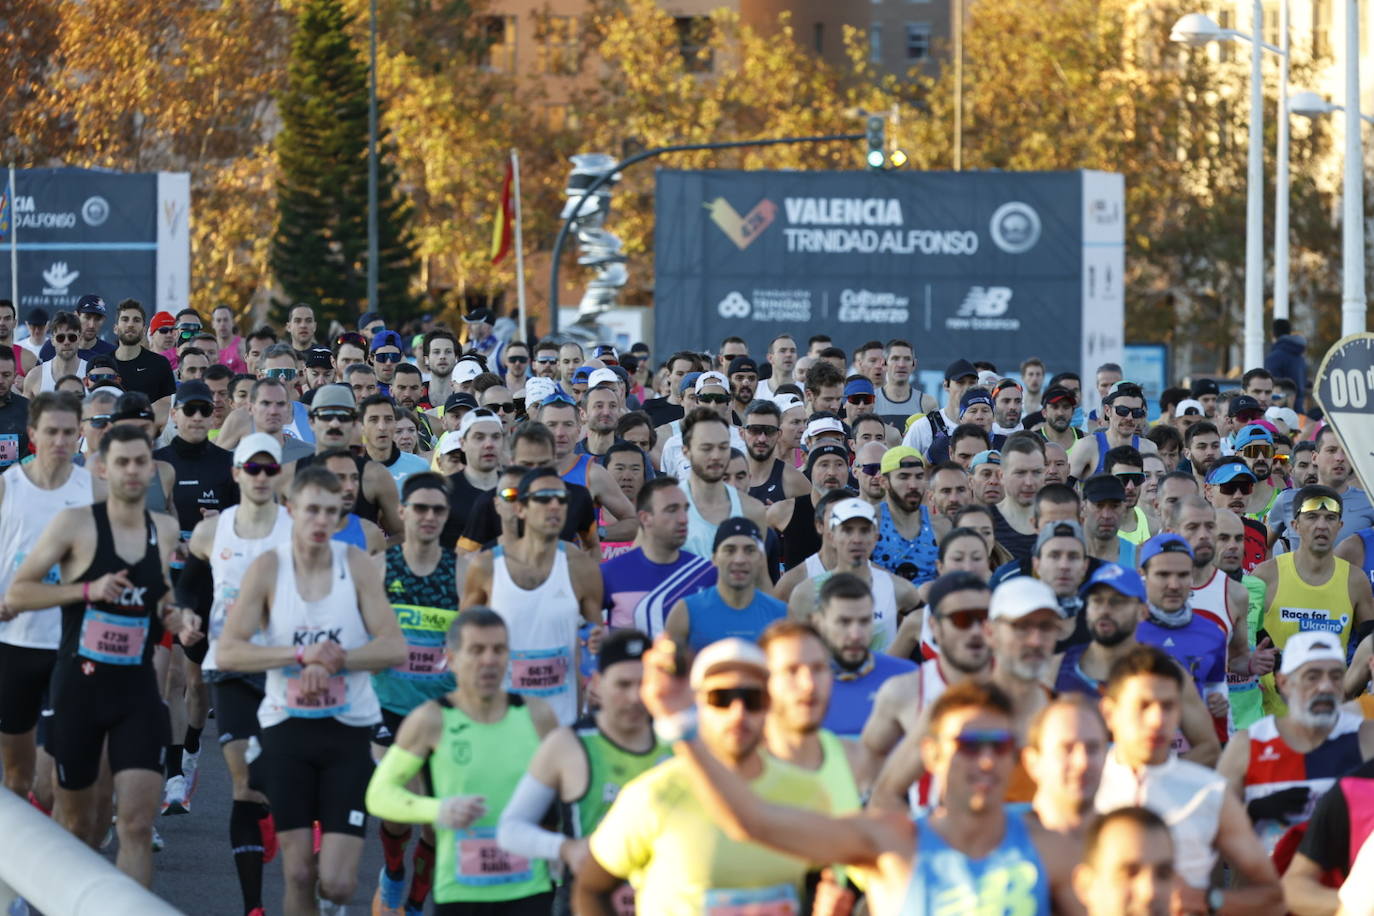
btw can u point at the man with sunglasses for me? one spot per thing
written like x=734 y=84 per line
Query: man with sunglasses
x=561 y=415
x=770 y=478
x=906 y=536
x=64 y=360
x=140 y=368
x=710 y=391
x=867 y=471
x=1143 y=705
x=544 y=591
x=1231 y=485
x=662 y=837
x=1241 y=411
x=1124 y=409
x=384 y=355
x=1334 y=470
x=204 y=479
x=280 y=364
x=221 y=549
x=516 y=361
x=546 y=359
x=1128 y=466
x=90 y=317
x=859 y=396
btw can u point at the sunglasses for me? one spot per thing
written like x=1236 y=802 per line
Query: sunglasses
x=350 y=338
x=197 y=409
x=284 y=374
x=1259 y=450
x=103 y=378
x=254 y=468
x=100 y=420
x=725 y=697
x=963 y=620
x=517 y=360
x=427 y=508
x=871 y=470
x=544 y=497
x=1232 y=487
x=387 y=357
x=760 y=429
x=1130 y=478
x=1318 y=503
x=546 y=360
x=334 y=416
x=66 y=338
x=863 y=399
x=1135 y=412
x=502 y=406
x=1281 y=456
x=714 y=398
x=557 y=397
x=508 y=494
x=973 y=743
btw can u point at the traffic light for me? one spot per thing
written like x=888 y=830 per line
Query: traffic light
x=877 y=144
x=898 y=158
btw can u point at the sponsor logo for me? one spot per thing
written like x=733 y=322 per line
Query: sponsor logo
x=857 y=305
x=984 y=309
x=95 y=211
x=742 y=230
x=767 y=305
x=955 y=242
x=1015 y=227
x=58 y=278
x=28 y=216
x=1314 y=620
x=843 y=211
x=1104 y=212
x=1268 y=753
x=734 y=306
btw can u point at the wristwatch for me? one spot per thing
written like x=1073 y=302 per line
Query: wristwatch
x=1215 y=898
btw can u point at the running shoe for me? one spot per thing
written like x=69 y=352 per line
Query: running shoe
x=174 y=796
x=390 y=895
x=190 y=768
x=329 y=907
x=158 y=845
x=268 y=827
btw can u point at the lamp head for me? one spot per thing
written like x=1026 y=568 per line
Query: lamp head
x=1309 y=104
x=1197 y=29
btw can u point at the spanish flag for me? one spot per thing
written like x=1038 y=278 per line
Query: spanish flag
x=502 y=227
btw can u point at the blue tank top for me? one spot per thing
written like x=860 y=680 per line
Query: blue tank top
x=299 y=427
x=1009 y=881
x=1071 y=678
x=851 y=697
x=1199 y=646
x=712 y=619
x=352 y=533
x=1367 y=538
x=578 y=473
x=1103 y=448
x=911 y=559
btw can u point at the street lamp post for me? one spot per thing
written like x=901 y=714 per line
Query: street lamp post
x=1281 y=181
x=1197 y=29
x=372 y=256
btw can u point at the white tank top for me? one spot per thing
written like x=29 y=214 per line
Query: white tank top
x=48 y=382
x=1188 y=797
x=542 y=623
x=297 y=622
x=26 y=511
x=701 y=534
x=230 y=557
x=884 y=600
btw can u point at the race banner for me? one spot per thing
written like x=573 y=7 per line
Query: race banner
x=997 y=266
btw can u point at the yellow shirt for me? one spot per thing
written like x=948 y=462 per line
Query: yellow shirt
x=661 y=839
x=1296 y=606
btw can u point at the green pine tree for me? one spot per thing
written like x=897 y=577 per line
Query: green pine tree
x=319 y=249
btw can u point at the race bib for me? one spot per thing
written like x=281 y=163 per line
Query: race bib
x=112 y=639
x=481 y=862
x=540 y=672
x=780 y=900
x=424 y=659
x=9 y=449
x=332 y=701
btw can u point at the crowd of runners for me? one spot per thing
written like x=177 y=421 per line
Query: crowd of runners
x=594 y=630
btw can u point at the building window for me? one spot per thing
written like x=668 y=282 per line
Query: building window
x=694 y=43
x=498 y=44
x=818 y=37
x=558 y=52
x=875 y=42
x=917 y=40
x=1321 y=28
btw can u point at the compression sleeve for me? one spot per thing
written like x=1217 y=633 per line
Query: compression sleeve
x=195 y=587
x=519 y=831
x=387 y=795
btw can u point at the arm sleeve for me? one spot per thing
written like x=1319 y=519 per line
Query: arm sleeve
x=195 y=586
x=387 y=795
x=519 y=831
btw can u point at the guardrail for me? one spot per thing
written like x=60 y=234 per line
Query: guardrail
x=58 y=874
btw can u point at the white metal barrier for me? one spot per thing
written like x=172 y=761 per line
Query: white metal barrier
x=58 y=874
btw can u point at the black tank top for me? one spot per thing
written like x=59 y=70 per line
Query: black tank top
x=799 y=538
x=362 y=506
x=103 y=637
x=770 y=491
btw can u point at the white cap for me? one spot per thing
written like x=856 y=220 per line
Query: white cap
x=711 y=378
x=787 y=402
x=255 y=444
x=1285 y=415
x=602 y=377
x=1019 y=596
x=988 y=379
x=475 y=416
x=853 y=507
x=111 y=390
x=1311 y=646
x=822 y=425
x=538 y=388
x=466 y=371
x=727 y=653
x=1182 y=407
x=450 y=441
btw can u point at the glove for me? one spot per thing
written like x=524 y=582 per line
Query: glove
x=1279 y=806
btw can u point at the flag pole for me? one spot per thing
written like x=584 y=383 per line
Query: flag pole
x=519 y=248
x=14 y=248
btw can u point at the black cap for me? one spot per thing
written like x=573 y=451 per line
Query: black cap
x=37 y=316
x=90 y=304
x=960 y=368
x=479 y=316
x=960 y=580
x=621 y=646
x=193 y=391
x=1058 y=393
x=1102 y=487
x=1242 y=402
x=1204 y=386
x=733 y=526
x=459 y=399
x=367 y=318
x=319 y=358
x=133 y=405
x=820 y=451
x=742 y=364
